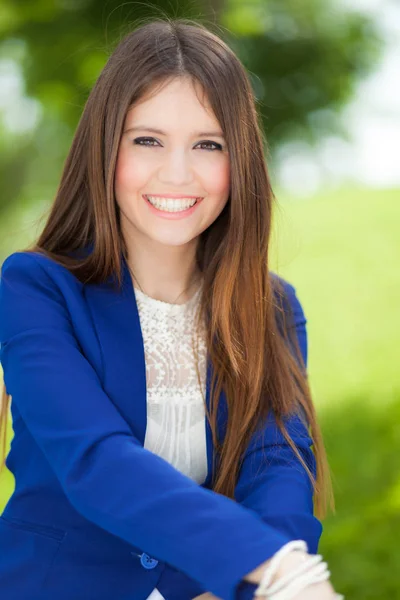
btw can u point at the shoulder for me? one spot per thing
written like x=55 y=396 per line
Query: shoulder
x=34 y=278
x=22 y=270
x=35 y=292
x=33 y=267
x=26 y=261
x=287 y=300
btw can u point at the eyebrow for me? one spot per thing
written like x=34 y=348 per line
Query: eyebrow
x=160 y=132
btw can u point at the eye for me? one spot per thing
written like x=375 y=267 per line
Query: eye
x=216 y=146
x=148 y=141
x=138 y=141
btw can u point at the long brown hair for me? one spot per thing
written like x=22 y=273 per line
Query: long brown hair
x=255 y=356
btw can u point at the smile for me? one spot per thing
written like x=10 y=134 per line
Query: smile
x=171 y=205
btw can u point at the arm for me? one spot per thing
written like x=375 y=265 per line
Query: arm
x=272 y=482
x=106 y=474
x=281 y=493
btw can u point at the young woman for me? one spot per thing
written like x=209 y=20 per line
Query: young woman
x=165 y=441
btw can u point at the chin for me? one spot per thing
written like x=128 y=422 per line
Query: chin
x=175 y=242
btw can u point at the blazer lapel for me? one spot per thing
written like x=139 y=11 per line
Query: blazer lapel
x=116 y=319
x=123 y=371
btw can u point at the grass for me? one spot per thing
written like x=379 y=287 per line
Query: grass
x=340 y=250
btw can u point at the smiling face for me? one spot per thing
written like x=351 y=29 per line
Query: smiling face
x=186 y=157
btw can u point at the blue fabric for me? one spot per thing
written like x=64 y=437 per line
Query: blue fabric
x=89 y=499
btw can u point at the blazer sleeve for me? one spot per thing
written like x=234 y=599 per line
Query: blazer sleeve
x=272 y=482
x=106 y=474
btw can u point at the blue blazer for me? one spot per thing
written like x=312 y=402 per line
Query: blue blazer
x=95 y=515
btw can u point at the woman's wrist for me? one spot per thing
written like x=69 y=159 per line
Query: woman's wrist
x=294 y=573
x=292 y=559
x=256 y=575
x=289 y=562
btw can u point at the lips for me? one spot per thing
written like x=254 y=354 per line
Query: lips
x=173 y=197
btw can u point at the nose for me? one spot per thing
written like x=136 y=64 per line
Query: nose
x=176 y=169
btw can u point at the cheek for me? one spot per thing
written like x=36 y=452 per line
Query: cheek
x=218 y=179
x=129 y=174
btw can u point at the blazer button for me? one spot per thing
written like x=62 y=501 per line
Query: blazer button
x=147 y=562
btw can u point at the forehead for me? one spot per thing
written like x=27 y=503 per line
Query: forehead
x=179 y=99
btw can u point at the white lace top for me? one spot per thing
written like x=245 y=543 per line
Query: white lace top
x=175 y=406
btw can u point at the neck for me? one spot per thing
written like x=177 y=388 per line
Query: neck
x=166 y=273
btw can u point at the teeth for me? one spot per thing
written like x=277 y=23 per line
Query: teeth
x=170 y=205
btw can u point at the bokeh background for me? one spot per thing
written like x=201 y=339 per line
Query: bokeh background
x=326 y=78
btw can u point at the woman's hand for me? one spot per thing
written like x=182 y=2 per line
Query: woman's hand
x=316 y=591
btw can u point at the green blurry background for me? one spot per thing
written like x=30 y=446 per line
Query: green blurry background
x=337 y=242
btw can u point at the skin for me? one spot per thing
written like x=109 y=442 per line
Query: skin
x=161 y=251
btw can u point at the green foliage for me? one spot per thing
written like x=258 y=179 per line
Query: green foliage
x=305 y=55
x=304 y=58
x=362 y=437
x=340 y=251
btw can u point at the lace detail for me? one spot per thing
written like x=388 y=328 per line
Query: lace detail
x=155 y=595
x=175 y=407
